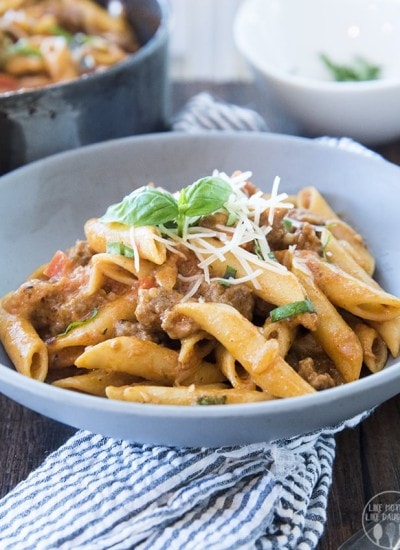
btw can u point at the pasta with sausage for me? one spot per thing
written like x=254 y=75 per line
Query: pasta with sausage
x=216 y=294
x=45 y=42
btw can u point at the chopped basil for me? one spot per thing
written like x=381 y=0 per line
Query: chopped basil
x=56 y=30
x=271 y=256
x=230 y=273
x=75 y=324
x=211 y=400
x=22 y=47
x=287 y=224
x=325 y=246
x=359 y=70
x=289 y=310
x=120 y=249
x=150 y=206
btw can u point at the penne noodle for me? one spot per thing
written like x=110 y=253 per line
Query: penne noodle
x=260 y=357
x=353 y=243
x=230 y=368
x=345 y=291
x=145 y=359
x=390 y=333
x=23 y=345
x=111 y=266
x=283 y=331
x=99 y=233
x=375 y=351
x=275 y=284
x=95 y=382
x=163 y=395
x=311 y=199
x=337 y=253
x=335 y=336
x=100 y=327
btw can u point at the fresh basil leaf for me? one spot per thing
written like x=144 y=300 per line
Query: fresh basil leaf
x=153 y=207
x=289 y=310
x=204 y=196
x=230 y=273
x=145 y=206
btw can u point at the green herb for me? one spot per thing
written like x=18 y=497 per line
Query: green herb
x=272 y=256
x=211 y=400
x=230 y=273
x=232 y=219
x=257 y=249
x=325 y=246
x=120 y=249
x=149 y=206
x=359 y=70
x=289 y=310
x=75 y=324
x=23 y=48
x=56 y=30
x=287 y=224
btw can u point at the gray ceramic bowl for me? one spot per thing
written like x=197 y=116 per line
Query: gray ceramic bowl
x=43 y=207
x=129 y=98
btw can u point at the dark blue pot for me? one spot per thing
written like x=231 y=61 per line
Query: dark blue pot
x=129 y=98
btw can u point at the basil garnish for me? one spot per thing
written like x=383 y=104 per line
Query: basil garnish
x=289 y=310
x=150 y=206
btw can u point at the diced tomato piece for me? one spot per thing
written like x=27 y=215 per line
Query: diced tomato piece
x=8 y=83
x=147 y=282
x=59 y=266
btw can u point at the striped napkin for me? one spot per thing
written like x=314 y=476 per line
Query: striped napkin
x=97 y=493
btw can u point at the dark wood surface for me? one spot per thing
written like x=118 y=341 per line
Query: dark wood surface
x=367 y=457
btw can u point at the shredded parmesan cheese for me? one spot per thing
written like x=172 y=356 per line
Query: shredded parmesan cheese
x=136 y=259
x=247 y=229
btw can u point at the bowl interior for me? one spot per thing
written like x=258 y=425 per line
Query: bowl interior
x=287 y=36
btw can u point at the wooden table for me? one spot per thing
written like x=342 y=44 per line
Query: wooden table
x=367 y=457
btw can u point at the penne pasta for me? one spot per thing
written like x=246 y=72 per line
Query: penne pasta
x=335 y=336
x=95 y=382
x=274 y=284
x=260 y=357
x=231 y=370
x=390 y=333
x=216 y=295
x=311 y=199
x=145 y=359
x=144 y=239
x=345 y=291
x=338 y=254
x=185 y=396
x=375 y=351
x=100 y=328
x=23 y=345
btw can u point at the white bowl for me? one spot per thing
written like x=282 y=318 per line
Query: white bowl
x=44 y=205
x=282 y=41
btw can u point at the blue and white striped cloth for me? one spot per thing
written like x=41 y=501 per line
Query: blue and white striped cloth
x=96 y=493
